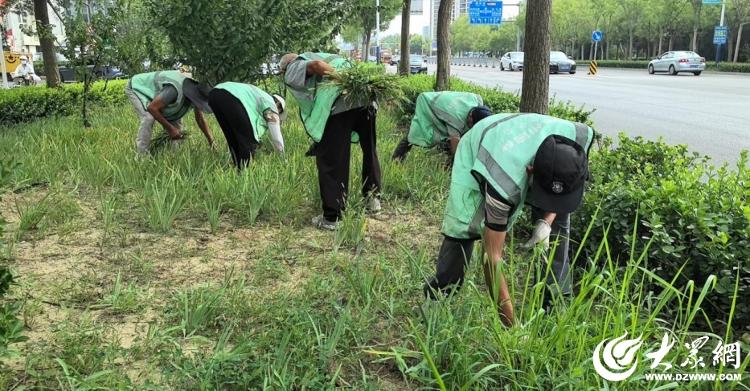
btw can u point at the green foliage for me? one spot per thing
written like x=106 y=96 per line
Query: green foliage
x=710 y=66
x=732 y=67
x=583 y=64
x=297 y=315
x=496 y=99
x=694 y=215
x=243 y=34
x=11 y=327
x=466 y=37
x=30 y=104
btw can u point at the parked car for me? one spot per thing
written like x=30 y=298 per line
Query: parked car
x=678 y=61
x=512 y=61
x=108 y=72
x=559 y=62
x=417 y=64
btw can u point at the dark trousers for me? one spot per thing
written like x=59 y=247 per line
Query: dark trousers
x=236 y=125
x=332 y=155
x=455 y=255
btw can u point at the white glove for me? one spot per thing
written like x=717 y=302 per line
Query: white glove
x=540 y=235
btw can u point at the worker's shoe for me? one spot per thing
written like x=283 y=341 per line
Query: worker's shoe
x=373 y=205
x=321 y=222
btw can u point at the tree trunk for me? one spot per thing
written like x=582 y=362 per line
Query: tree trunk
x=403 y=64
x=696 y=25
x=738 y=44
x=582 y=52
x=443 y=45
x=47 y=41
x=366 y=57
x=661 y=42
x=591 y=51
x=630 y=44
x=671 y=43
x=535 y=88
x=730 y=41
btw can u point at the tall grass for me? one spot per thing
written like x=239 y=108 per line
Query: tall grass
x=297 y=315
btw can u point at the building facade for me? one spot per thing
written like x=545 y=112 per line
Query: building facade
x=20 y=32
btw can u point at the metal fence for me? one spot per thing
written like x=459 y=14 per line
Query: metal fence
x=481 y=62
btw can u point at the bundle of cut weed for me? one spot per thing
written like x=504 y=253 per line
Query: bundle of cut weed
x=363 y=82
x=163 y=140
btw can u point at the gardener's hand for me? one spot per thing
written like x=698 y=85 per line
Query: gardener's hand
x=175 y=133
x=540 y=235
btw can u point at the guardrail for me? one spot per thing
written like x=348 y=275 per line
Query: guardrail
x=479 y=62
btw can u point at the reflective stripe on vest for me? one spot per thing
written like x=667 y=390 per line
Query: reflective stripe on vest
x=497 y=152
x=436 y=113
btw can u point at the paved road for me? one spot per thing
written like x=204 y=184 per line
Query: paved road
x=710 y=113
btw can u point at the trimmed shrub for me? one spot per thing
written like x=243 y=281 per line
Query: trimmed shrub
x=693 y=215
x=584 y=64
x=32 y=103
x=496 y=99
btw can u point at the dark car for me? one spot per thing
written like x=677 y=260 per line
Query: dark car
x=109 y=72
x=560 y=63
x=106 y=72
x=417 y=64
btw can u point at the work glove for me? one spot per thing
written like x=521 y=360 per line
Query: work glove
x=541 y=233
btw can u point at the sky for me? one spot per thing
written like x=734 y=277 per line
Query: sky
x=416 y=22
x=510 y=10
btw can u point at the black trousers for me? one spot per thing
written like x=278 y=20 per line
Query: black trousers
x=236 y=125
x=332 y=155
x=455 y=255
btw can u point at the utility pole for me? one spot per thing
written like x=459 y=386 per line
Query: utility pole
x=377 y=31
x=721 y=24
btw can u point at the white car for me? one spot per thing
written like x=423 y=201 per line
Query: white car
x=512 y=61
x=678 y=61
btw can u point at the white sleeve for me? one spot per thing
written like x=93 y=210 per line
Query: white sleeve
x=274 y=131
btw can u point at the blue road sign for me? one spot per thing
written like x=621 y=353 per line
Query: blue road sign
x=485 y=12
x=720 y=35
x=711 y=1
x=596 y=36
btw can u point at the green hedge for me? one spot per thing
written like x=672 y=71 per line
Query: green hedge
x=695 y=216
x=496 y=99
x=31 y=103
x=710 y=66
x=615 y=64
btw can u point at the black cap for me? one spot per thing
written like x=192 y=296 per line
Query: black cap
x=560 y=171
x=479 y=113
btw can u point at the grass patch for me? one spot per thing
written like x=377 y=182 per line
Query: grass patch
x=182 y=273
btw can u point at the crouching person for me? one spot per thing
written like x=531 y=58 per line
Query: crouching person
x=165 y=97
x=245 y=113
x=490 y=183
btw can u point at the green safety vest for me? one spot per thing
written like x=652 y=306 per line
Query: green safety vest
x=255 y=101
x=440 y=115
x=316 y=103
x=497 y=151
x=147 y=86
